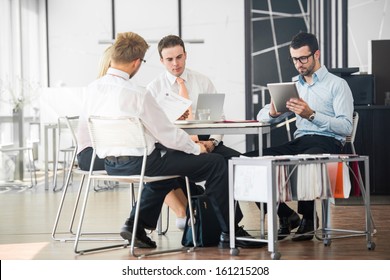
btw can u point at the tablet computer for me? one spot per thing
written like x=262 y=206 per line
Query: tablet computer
x=281 y=93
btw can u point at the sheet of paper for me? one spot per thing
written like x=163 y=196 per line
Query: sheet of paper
x=250 y=183
x=173 y=105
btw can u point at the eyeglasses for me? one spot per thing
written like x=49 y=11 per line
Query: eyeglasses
x=143 y=60
x=301 y=59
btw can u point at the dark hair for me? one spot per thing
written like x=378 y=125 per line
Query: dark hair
x=169 y=42
x=304 y=39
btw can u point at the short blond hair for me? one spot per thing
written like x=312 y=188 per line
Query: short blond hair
x=128 y=47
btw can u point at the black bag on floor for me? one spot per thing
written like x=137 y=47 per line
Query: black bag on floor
x=207 y=229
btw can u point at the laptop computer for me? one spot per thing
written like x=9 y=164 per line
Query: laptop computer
x=281 y=93
x=211 y=101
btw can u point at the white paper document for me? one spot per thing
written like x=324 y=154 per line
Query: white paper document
x=250 y=183
x=173 y=105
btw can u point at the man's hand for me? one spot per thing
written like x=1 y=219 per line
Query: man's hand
x=203 y=149
x=208 y=145
x=272 y=110
x=184 y=116
x=299 y=107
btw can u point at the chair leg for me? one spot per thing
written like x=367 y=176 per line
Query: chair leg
x=76 y=204
x=54 y=184
x=329 y=233
x=160 y=230
x=262 y=220
x=136 y=218
x=79 y=228
x=32 y=168
x=159 y=224
x=66 y=171
x=192 y=220
x=362 y=189
x=59 y=211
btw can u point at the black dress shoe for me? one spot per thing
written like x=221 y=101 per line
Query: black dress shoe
x=286 y=224
x=141 y=239
x=305 y=230
x=224 y=240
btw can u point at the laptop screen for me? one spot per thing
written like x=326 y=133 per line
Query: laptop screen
x=212 y=101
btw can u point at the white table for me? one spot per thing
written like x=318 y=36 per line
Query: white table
x=209 y=128
x=224 y=128
x=268 y=194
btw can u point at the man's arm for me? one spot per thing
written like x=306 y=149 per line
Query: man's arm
x=268 y=114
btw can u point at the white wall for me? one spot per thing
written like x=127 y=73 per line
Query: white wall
x=74 y=30
x=367 y=20
x=75 y=27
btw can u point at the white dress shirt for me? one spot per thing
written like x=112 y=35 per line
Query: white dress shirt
x=195 y=82
x=114 y=95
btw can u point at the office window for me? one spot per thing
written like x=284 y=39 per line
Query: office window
x=22 y=56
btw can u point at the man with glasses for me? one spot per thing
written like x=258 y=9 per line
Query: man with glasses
x=324 y=119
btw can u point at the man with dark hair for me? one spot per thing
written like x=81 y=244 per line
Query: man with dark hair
x=177 y=76
x=324 y=112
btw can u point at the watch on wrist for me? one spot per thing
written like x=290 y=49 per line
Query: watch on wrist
x=312 y=116
x=215 y=142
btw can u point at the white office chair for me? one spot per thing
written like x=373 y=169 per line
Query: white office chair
x=118 y=134
x=71 y=124
x=29 y=150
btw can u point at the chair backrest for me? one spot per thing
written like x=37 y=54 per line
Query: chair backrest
x=355 y=122
x=67 y=127
x=116 y=133
x=72 y=124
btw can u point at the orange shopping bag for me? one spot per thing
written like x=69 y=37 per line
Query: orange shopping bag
x=339 y=179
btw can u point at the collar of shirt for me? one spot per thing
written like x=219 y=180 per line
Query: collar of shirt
x=119 y=73
x=172 y=78
x=317 y=76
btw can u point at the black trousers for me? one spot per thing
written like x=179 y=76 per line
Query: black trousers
x=308 y=144
x=84 y=160
x=210 y=167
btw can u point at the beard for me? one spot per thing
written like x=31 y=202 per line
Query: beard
x=307 y=71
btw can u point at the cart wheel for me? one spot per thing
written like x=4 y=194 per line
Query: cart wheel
x=234 y=251
x=371 y=246
x=191 y=249
x=276 y=256
x=327 y=242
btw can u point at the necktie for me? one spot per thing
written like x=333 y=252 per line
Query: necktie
x=184 y=92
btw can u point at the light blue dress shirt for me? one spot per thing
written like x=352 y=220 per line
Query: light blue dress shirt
x=330 y=97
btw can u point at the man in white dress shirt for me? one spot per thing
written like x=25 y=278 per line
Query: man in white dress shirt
x=173 y=56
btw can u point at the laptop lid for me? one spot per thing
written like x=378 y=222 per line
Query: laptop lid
x=281 y=93
x=212 y=101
